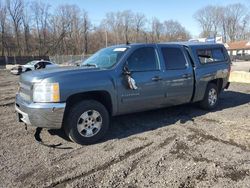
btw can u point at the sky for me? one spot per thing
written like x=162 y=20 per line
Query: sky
x=179 y=10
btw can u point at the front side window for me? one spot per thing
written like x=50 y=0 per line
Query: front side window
x=32 y=63
x=174 y=58
x=39 y=65
x=105 y=58
x=46 y=63
x=143 y=59
x=210 y=55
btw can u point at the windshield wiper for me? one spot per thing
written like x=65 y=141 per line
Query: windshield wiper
x=90 y=65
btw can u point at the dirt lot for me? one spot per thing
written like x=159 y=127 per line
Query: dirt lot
x=175 y=147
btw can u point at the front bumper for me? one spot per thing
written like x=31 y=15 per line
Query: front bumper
x=45 y=115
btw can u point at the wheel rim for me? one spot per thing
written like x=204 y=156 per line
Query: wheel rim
x=89 y=123
x=212 y=97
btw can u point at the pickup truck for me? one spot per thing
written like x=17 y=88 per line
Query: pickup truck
x=119 y=80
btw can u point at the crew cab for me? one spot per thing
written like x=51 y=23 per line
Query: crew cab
x=119 y=80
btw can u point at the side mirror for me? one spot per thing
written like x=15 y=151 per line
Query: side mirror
x=126 y=70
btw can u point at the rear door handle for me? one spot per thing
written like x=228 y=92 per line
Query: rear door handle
x=156 y=78
x=186 y=75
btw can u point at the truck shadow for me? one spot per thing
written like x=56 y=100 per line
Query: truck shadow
x=128 y=125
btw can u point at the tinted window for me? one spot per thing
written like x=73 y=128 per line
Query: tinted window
x=218 y=54
x=210 y=55
x=143 y=59
x=47 y=63
x=174 y=58
x=39 y=65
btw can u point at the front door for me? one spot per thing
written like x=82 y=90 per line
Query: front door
x=144 y=66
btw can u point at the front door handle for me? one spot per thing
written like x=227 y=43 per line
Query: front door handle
x=156 y=78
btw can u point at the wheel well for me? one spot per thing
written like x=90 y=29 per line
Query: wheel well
x=100 y=96
x=218 y=82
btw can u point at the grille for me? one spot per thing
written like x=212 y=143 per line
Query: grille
x=25 y=91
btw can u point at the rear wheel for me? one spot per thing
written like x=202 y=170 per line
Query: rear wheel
x=87 y=122
x=211 y=97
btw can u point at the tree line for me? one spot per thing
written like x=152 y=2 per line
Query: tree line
x=231 y=22
x=31 y=28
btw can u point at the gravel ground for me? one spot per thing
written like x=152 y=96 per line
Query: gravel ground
x=181 y=146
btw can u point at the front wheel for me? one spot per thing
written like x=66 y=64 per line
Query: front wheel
x=211 y=97
x=87 y=122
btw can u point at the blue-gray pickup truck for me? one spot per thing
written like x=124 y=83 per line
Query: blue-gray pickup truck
x=119 y=80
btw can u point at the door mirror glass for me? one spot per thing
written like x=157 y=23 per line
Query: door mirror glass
x=126 y=70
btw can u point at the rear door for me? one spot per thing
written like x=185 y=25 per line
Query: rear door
x=144 y=65
x=178 y=79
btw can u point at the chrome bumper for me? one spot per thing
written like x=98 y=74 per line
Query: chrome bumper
x=45 y=115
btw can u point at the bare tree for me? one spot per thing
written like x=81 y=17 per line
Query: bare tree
x=237 y=17
x=15 y=8
x=3 y=13
x=120 y=23
x=76 y=29
x=205 y=19
x=26 y=20
x=231 y=21
x=109 y=23
x=157 y=30
x=86 y=28
x=99 y=38
x=127 y=18
x=41 y=16
x=36 y=30
x=139 y=21
x=173 y=31
x=61 y=24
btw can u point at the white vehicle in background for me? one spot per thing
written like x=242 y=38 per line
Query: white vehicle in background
x=33 y=65
x=38 y=64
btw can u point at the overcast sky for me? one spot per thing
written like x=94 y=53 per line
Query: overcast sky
x=180 y=10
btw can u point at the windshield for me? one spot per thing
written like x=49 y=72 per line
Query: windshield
x=105 y=58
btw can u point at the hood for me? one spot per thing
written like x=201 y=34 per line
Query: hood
x=39 y=75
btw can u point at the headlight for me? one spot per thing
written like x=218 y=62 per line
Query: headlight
x=46 y=92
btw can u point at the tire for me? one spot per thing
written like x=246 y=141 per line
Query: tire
x=210 y=100
x=87 y=122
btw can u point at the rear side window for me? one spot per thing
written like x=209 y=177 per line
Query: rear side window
x=47 y=63
x=143 y=59
x=174 y=58
x=210 y=55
